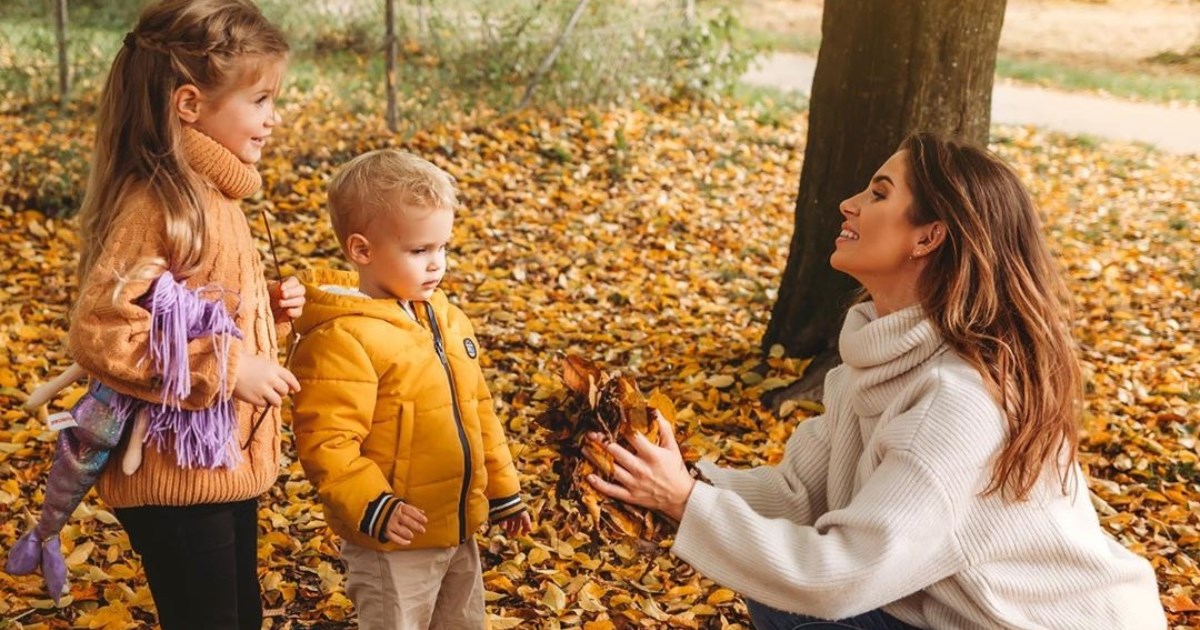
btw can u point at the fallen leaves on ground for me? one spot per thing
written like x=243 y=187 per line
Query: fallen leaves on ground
x=650 y=238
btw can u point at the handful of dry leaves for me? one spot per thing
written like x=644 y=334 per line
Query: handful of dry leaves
x=610 y=404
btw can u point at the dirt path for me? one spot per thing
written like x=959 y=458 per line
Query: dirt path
x=1168 y=128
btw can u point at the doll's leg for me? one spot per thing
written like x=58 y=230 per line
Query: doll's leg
x=79 y=456
x=46 y=392
x=70 y=478
x=137 y=435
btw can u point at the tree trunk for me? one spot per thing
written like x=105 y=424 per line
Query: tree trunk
x=885 y=70
x=64 y=68
x=390 y=51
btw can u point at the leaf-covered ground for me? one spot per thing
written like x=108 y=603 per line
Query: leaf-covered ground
x=650 y=238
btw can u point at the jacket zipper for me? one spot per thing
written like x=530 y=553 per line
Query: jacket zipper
x=462 y=433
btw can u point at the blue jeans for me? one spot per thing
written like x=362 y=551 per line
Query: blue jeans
x=767 y=618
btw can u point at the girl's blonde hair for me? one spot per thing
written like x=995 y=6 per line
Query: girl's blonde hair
x=210 y=44
x=998 y=299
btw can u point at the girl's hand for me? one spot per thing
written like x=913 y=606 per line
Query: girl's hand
x=406 y=523
x=262 y=381
x=654 y=477
x=287 y=299
x=517 y=524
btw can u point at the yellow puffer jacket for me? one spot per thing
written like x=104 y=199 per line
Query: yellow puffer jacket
x=391 y=409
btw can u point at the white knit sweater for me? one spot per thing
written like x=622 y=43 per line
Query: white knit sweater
x=878 y=503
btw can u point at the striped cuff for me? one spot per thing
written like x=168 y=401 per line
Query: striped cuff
x=500 y=509
x=374 y=521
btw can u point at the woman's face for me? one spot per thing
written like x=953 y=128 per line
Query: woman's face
x=877 y=245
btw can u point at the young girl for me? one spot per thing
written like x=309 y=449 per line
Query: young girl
x=184 y=116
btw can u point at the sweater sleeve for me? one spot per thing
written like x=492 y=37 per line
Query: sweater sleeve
x=109 y=336
x=795 y=488
x=331 y=419
x=896 y=537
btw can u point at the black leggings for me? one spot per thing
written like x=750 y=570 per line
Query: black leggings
x=201 y=563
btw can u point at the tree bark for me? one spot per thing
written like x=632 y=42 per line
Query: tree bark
x=390 y=52
x=64 y=68
x=885 y=69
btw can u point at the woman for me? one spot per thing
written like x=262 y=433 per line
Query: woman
x=940 y=489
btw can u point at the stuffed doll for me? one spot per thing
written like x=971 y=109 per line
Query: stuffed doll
x=97 y=423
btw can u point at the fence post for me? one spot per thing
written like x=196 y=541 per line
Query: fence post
x=390 y=47
x=549 y=60
x=422 y=18
x=64 y=70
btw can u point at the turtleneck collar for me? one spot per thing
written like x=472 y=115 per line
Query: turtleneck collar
x=234 y=178
x=879 y=351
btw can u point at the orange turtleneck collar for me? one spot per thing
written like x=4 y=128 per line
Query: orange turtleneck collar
x=234 y=178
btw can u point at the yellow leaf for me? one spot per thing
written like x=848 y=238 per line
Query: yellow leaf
x=554 y=598
x=720 y=596
x=80 y=554
x=719 y=381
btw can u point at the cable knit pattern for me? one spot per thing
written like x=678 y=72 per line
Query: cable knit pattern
x=109 y=338
x=878 y=503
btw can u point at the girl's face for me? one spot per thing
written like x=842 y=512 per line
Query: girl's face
x=241 y=119
x=878 y=245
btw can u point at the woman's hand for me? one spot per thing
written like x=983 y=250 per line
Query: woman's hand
x=653 y=477
x=262 y=381
x=287 y=299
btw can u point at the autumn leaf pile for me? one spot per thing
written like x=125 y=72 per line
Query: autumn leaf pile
x=607 y=403
x=650 y=238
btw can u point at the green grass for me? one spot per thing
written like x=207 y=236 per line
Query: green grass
x=772 y=106
x=789 y=42
x=1159 y=87
x=1156 y=85
x=29 y=62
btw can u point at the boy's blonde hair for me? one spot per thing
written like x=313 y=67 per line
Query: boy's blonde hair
x=384 y=181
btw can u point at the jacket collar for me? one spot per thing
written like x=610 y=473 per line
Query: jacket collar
x=323 y=305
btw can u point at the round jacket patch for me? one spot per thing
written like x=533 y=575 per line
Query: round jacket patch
x=469 y=344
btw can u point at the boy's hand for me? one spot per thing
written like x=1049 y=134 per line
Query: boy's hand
x=406 y=523
x=287 y=299
x=262 y=381
x=519 y=523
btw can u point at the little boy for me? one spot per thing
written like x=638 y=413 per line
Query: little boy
x=394 y=424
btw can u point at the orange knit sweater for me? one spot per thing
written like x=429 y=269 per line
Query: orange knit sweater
x=109 y=337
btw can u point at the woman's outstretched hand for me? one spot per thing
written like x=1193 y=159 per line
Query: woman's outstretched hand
x=653 y=476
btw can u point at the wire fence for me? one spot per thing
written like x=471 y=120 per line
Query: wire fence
x=478 y=49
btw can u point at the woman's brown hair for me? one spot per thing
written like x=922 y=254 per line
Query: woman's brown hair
x=214 y=45
x=998 y=299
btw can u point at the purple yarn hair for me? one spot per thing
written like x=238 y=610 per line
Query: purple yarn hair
x=202 y=438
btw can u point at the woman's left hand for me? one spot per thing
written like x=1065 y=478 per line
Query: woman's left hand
x=653 y=476
x=287 y=299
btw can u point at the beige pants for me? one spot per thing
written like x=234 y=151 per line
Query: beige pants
x=415 y=590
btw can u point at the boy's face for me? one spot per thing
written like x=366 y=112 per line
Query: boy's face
x=402 y=255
